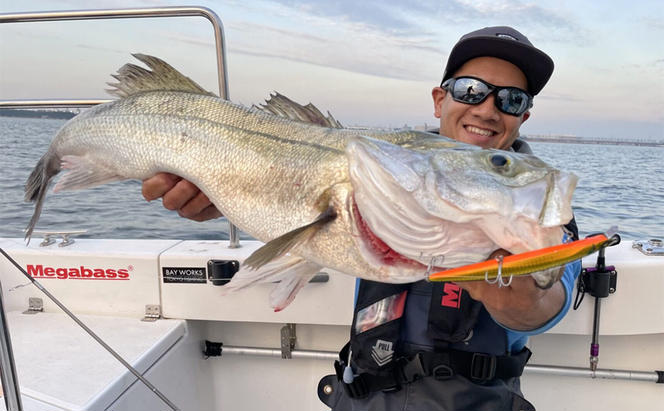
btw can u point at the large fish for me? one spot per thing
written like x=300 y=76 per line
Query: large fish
x=384 y=206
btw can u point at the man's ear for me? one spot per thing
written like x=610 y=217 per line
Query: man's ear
x=438 y=95
x=525 y=117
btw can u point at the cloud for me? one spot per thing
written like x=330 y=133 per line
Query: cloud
x=653 y=23
x=251 y=29
x=346 y=45
x=415 y=18
x=552 y=96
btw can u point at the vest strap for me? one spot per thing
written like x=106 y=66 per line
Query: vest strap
x=477 y=367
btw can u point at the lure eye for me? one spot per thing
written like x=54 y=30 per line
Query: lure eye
x=499 y=160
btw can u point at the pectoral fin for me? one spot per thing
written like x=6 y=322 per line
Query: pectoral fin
x=292 y=273
x=282 y=244
x=285 y=291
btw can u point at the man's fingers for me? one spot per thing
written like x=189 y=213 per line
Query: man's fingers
x=208 y=213
x=158 y=185
x=183 y=192
x=181 y=195
x=195 y=206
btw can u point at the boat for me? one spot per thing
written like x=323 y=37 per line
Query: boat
x=157 y=306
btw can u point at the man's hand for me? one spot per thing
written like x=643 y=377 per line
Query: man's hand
x=521 y=305
x=180 y=195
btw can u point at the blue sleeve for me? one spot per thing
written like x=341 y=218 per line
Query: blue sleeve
x=517 y=339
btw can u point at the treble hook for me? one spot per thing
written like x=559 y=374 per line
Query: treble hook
x=499 y=275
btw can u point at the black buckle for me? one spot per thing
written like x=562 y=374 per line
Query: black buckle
x=411 y=370
x=442 y=372
x=357 y=389
x=482 y=367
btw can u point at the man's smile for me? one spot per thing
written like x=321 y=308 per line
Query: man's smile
x=481 y=131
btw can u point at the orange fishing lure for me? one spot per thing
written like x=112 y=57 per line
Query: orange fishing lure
x=528 y=262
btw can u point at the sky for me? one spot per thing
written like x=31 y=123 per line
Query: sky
x=370 y=63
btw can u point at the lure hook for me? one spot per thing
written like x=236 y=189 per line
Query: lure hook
x=499 y=275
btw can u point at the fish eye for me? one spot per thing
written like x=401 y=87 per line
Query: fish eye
x=499 y=160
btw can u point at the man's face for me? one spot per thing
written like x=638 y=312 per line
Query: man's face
x=482 y=125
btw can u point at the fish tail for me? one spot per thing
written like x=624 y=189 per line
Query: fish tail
x=37 y=185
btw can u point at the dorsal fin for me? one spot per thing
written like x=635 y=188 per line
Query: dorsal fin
x=282 y=106
x=134 y=79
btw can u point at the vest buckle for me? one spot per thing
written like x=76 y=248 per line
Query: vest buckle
x=482 y=367
x=411 y=370
x=442 y=372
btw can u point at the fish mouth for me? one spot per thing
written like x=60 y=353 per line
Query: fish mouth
x=377 y=247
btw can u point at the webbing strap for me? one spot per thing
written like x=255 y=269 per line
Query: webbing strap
x=477 y=367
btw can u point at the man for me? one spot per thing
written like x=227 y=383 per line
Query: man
x=455 y=347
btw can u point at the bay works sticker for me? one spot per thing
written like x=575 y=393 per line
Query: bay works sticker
x=184 y=275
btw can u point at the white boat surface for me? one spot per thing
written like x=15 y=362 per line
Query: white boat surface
x=153 y=302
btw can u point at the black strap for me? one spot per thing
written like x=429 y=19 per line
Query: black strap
x=477 y=367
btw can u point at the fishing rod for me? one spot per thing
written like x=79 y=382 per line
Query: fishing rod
x=17 y=406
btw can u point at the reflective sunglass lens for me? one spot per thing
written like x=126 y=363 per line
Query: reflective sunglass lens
x=512 y=101
x=470 y=91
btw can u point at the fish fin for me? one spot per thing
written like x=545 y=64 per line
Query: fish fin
x=83 y=173
x=293 y=272
x=37 y=185
x=273 y=271
x=282 y=106
x=133 y=79
x=282 y=244
x=285 y=291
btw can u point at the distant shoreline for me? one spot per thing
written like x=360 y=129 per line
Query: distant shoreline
x=586 y=140
x=60 y=115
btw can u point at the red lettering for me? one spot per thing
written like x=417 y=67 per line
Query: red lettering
x=61 y=272
x=451 y=296
x=86 y=272
x=36 y=270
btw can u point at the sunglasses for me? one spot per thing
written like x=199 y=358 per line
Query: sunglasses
x=470 y=90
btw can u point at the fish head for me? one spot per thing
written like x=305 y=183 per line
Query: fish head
x=501 y=183
x=457 y=203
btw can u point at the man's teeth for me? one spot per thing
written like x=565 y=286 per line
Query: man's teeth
x=479 y=131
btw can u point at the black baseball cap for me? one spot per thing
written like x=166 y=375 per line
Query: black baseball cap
x=504 y=43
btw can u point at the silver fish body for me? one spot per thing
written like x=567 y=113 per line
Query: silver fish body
x=377 y=205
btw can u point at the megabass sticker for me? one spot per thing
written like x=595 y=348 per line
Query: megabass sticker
x=80 y=272
x=186 y=275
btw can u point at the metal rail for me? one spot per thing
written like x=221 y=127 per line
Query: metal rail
x=12 y=393
x=552 y=370
x=189 y=11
